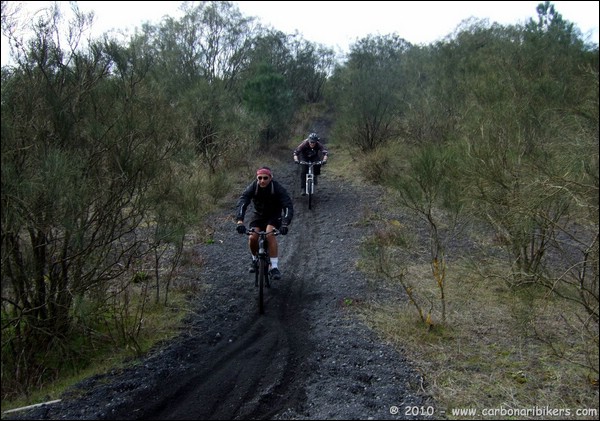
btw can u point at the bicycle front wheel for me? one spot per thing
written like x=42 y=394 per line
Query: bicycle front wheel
x=310 y=187
x=263 y=272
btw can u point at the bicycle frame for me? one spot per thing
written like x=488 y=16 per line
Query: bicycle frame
x=261 y=279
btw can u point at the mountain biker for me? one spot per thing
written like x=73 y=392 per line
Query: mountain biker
x=310 y=150
x=273 y=208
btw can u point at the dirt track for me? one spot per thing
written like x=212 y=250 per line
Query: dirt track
x=307 y=357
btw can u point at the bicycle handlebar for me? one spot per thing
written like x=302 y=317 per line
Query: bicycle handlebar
x=254 y=231
x=311 y=163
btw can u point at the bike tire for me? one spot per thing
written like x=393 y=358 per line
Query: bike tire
x=310 y=187
x=263 y=272
x=256 y=276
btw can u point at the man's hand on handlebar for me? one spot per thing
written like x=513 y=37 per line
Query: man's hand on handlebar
x=283 y=230
x=241 y=229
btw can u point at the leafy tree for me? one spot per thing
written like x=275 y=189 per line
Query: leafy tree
x=210 y=41
x=308 y=71
x=268 y=96
x=370 y=96
x=85 y=140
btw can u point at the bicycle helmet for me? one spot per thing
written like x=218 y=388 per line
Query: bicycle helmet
x=313 y=137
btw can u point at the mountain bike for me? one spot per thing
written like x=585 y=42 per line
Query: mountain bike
x=261 y=265
x=310 y=179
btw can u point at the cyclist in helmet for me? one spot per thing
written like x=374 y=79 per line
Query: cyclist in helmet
x=311 y=149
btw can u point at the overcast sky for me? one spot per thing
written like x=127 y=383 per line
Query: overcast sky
x=339 y=24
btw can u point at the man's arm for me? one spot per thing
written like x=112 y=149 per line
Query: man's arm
x=243 y=202
x=287 y=205
x=324 y=151
x=299 y=150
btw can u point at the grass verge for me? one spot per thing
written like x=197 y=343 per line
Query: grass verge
x=501 y=353
x=160 y=323
x=490 y=353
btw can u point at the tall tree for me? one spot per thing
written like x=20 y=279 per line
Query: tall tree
x=370 y=99
x=85 y=140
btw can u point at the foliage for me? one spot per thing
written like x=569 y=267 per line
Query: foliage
x=424 y=186
x=85 y=141
x=497 y=125
x=268 y=97
x=370 y=92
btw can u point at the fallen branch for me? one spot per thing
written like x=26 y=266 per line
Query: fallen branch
x=31 y=406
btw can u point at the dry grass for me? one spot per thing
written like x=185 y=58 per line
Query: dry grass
x=488 y=354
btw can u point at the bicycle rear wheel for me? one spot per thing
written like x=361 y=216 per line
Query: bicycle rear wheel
x=263 y=272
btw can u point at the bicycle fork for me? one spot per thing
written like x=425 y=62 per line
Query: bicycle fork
x=310 y=189
x=265 y=260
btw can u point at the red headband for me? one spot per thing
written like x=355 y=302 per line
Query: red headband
x=264 y=171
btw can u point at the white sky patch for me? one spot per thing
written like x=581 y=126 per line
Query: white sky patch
x=339 y=24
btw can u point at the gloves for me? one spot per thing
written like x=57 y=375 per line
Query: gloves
x=296 y=162
x=283 y=230
x=323 y=162
x=241 y=228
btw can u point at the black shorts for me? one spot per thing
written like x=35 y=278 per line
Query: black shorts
x=261 y=222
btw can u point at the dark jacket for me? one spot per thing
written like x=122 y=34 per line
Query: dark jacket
x=270 y=201
x=306 y=153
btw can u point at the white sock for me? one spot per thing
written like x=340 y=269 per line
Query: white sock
x=254 y=258
x=274 y=261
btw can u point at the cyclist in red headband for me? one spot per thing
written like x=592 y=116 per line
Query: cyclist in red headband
x=273 y=208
